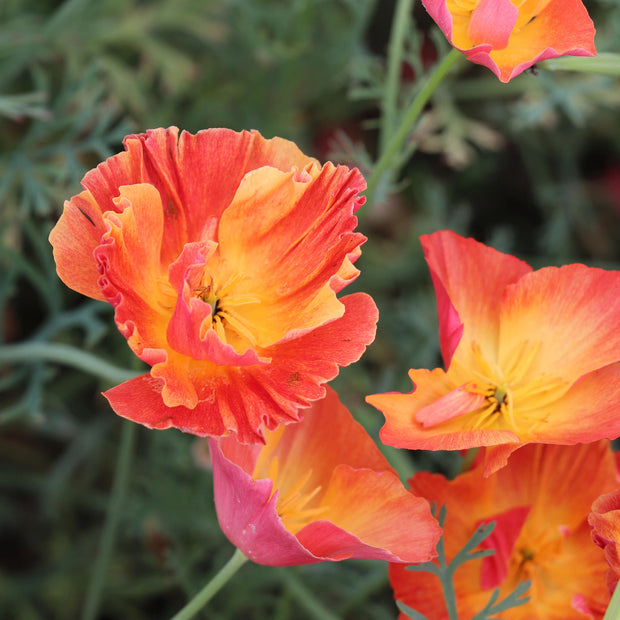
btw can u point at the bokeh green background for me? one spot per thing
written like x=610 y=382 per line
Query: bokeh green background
x=531 y=167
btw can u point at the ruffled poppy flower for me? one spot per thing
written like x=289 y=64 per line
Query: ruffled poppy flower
x=605 y=522
x=540 y=504
x=318 y=490
x=509 y=36
x=531 y=356
x=222 y=254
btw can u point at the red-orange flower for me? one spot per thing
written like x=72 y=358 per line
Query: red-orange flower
x=531 y=356
x=318 y=490
x=605 y=523
x=509 y=36
x=540 y=502
x=222 y=253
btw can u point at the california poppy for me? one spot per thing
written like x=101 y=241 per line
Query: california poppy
x=222 y=254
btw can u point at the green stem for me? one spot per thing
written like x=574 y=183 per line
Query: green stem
x=305 y=597
x=613 y=609
x=204 y=596
x=64 y=354
x=395 y=143
x=108 y=537
x=605 y=63
x=395 y=58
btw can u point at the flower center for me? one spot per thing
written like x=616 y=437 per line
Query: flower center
x=226 y=319
x=511 y=401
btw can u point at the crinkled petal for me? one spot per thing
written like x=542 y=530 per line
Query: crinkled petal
x=241 y=400
x=132 y=278
x=277 y=222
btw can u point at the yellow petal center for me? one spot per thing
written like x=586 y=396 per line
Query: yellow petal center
x=223 y=296
x=513 y=399
x=299 y=500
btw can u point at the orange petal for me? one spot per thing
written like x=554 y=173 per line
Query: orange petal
x=403 y=429
x=74 y=238
x=469 y=279
x=559 y=483
x=562 y=28
x=386 y=518
x=277 y=222
x=572 y=311
x=243 y=400
x=132 y=278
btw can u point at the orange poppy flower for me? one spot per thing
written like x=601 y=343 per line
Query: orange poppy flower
x=319 y=490
x=605 y=523
x=531 y=356
x=509 y=36
x=222 y=253
x=540 y=503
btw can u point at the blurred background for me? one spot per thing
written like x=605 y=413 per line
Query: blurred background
x=531 y=167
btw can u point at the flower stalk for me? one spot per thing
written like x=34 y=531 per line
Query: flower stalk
x=210 y=589
x=386 y=161
x=110 y=529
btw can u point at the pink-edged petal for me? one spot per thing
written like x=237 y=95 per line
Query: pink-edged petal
x=572 y=311
x=390 y=523
x=247 y=514
x=492 y=22
x=562 y=28
x=439 y=12
x=469 y=279
x=403 y=430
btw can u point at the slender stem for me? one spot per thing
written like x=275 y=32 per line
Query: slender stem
x=605 y=63
x=204 y=596
x=108 y=537
x=395 y=58
x=395 y=143
x=64 y=354
x=613 y=609
x=305 y=597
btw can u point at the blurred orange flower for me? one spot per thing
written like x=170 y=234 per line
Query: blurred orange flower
x=509 y=36
x=605 y=522
x=531 y=356
x=540 y=503
x=319 y=490
x=222 y=253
